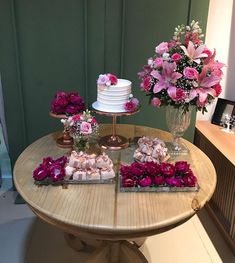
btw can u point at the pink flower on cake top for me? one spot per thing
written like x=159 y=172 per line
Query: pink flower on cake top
x=183 y=71
x=114 y=95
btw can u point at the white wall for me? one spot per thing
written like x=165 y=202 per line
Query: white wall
x=220 y=36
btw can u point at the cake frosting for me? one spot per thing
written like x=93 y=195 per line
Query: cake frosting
x=114 y=97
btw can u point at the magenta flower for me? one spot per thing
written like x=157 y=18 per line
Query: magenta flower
x=152 y=168
x=72 y=109
x=127 y=182
x=182 y=166
x=190 y=180
x=57 y=172
x=176 y=57
x=103 y=80
x=167 y=169
x=144 y=182
x=146 y=84
x=159 y=180
x=174 y=182
x=137 y=169
x=40 y=173
x=112 y=78
x=167 y=79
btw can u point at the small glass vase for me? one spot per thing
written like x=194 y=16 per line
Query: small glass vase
x=178 y=122
x=80 y=144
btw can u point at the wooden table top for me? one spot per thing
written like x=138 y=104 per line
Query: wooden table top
x=103 y=209
x=224 y=142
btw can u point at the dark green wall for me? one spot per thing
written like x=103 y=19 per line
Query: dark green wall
x=54 y=45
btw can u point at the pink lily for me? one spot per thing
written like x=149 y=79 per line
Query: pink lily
x=167 y=79
x=194 y=54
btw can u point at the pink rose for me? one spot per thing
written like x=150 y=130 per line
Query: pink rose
x=158 y=62
x=76 y=117
x=162 y=48
x=156 y=102
x=179 y=95
x=176 y=57
x=85 y=128
x=190 y=73
x=131 y=105
x=112 y=78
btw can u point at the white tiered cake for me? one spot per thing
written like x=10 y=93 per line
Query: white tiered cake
x=112 y=98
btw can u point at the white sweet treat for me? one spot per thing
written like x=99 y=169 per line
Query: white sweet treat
x=112 y=98
x=107 y=174
x=93 y=174
x=103 y=161
x=139 y=156
x=79 y=175
x=150 y=150
x=69 y=172
x=91 y=161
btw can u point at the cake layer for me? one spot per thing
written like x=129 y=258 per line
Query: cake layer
x=113 y=98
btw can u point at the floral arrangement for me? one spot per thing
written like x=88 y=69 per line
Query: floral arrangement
x=107 y=80
x=67 y=103
x=50 y=170
x=81 y=127
x=152 y=174
x=132 y=104
x=183 y=71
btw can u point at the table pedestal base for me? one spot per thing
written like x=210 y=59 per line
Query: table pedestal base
x=108 y=251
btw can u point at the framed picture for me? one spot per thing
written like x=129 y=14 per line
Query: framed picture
x=222 y=108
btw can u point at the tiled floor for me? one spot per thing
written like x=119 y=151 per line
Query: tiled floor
x=26 y=239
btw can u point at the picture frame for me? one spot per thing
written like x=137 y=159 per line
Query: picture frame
x=223 y=107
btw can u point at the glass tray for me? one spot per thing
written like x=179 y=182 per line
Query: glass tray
x=67 y=182
x=157 y=189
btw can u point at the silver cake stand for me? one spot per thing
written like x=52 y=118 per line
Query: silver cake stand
x=113 y=141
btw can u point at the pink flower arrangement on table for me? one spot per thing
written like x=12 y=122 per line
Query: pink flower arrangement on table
x=50 y=170
x=183 y=71
x=152 y=174
x=81 y=126
x=67 y=103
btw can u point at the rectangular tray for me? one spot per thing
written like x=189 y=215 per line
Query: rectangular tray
x=157 y=189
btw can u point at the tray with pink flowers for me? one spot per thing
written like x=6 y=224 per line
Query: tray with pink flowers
x=154 y=177
x=78 y=168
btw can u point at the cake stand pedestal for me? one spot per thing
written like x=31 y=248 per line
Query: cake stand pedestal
x=65 y=141
x=113 y=142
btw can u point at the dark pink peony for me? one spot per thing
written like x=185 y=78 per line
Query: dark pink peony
x=174 y=182
x=60 y=94
x=57 y=172
x=152 y=168
x=56 y=108
x=40 y=173
x=61 y=161
x=189 y=179
x=130 y=106
x=47 y=161
x=128 y=182
x=158 y=180
x=76 y=117
x=112 y=78
x=126 y=171
x=167 y=169
x=72 y=109
x=74 y=98
x=181 y=167
x=144 y=182
x=137 y=169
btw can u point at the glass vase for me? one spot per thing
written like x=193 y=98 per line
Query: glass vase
x=80 y=144
x=178 y=122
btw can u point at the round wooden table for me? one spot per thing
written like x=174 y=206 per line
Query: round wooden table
x=100 y=212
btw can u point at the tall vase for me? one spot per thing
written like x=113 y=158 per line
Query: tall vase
x=178 y=122
x=80 y=144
